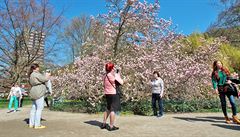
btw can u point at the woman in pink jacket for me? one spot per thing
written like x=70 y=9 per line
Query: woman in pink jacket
x=109 y=80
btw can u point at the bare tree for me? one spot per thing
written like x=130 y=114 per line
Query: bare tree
x=230 y=16
x=77 y=33
x=21 y=20
x=228 y=21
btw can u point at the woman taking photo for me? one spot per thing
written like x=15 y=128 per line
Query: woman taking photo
x=37 y=92
x=220 y=78
x=112 y=99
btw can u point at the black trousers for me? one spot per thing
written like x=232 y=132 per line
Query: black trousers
x=155 y=98
x=20 y=101
x=46 y=100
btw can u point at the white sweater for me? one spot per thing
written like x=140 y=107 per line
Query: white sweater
x=16 y=91
x=157 y=86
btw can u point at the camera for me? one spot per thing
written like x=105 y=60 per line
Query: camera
x=48 y=71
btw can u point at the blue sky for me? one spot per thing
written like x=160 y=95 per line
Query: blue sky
x=189 y=15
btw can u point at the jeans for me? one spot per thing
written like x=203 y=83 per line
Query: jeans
x=36 y=111
x=222 y=97
x=156 y=97
x=13 y=98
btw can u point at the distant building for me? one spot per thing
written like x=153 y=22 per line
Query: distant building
x=28 y=46
x=36 y=40
x=32 y=47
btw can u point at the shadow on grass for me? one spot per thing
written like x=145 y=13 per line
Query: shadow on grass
x=231 y=127
x=203 y=119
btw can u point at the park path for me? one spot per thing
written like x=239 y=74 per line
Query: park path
x=63 y=124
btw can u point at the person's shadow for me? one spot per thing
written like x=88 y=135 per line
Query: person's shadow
x=27 y=120
x=203 y=119
x=215 y=121
x=94 y=123
x=232 y=127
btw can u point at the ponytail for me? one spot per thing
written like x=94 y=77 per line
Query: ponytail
x=32 y=68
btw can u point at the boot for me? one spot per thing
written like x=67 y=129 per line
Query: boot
x=227 y=120
x=236 y=120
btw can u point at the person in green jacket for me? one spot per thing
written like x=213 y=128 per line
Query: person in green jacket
x=220 y=78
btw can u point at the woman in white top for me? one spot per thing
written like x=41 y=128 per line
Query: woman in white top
x=157 y=94
x=14 y=94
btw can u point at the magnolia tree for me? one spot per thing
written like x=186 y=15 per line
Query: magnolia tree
x=138 y=42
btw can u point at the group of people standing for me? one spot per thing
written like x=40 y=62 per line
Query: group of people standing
x=112 y=81
x=16 y=96
x=224 y=86
x=40 y=85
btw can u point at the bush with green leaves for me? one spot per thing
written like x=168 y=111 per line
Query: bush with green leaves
x=141 y=107
x=231 y=56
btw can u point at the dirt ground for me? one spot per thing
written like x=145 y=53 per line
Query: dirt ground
x=62 y=124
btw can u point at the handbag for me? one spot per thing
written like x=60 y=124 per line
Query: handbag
x=236 y=81
x=231 y=89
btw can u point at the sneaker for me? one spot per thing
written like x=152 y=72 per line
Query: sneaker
x=10 y=111
x=103 y=126
x=113 y=128
x=159 y=116
x=31 y=126
x=40 y=127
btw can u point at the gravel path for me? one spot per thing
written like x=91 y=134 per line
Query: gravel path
x=63 y=124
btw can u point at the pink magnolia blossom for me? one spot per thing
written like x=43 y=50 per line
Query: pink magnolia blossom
x=146 y=43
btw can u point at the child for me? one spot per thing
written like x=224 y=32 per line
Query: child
x=49 y=87
x=24 y=93
x=15 y=92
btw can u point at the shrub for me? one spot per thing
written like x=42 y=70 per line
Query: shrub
x=232 y=56
x=141 y=107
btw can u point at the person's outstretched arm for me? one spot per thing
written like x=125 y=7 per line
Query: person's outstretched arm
x=118 y=78
x=162 y=87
